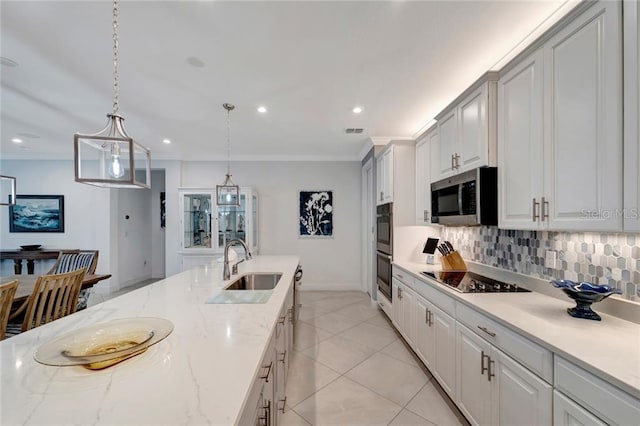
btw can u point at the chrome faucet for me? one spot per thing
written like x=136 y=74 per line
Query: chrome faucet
x=247 y=255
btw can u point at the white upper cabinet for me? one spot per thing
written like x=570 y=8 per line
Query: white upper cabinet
x=560 y=129
x=466 y=130
x=583 y=122
x=631 y=116
x=520 y=152
x=384 y=173
x=424 y=160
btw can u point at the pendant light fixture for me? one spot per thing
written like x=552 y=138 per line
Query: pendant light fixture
x=110 y=157
x=228 y=194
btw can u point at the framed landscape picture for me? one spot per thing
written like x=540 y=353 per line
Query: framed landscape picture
x=315 y=219
x=37 y=213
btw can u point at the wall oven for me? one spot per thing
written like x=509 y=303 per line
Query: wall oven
x=384 y=246
x=383 y=275
x=384 y=228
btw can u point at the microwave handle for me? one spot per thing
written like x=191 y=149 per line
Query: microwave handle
x=386 y=256
x=460 y=198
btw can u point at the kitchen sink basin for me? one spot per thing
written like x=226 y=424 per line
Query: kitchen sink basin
x=258 y=281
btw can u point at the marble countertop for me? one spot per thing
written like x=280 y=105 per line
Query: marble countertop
x=200 y=374
x=609 y=348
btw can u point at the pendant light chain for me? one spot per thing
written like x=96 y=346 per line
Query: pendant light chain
x=116 y=101
x=228 y=140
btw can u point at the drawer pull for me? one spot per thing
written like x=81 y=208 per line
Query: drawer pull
x=490 y=333
x=282 y=319
x=430 y=318
x=284 y=357
x=284 y=401
x=489 y=369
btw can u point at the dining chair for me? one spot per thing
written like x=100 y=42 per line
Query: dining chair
x=70 y=260
x=7 y=291
x=54 y=296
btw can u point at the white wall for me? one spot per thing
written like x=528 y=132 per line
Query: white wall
x=157 y=233
x=134 y=222
x=327 y=263
x=87 y=212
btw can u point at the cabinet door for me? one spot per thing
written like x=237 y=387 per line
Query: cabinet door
x=280 y=364
x=445 y=350
x=474 y=390
x=520 y=145
x=253 y=224
x=380 y=180
x=447 y=131
x=396 y=306
x=631 y=116
x=472 y=147
x=423 y=184
x=583 y=110
x=520 y=397
x=388 y=175
x=408 y=316
x=232 y=221
x=568 y=413
x=424 y=332
x=197 y=226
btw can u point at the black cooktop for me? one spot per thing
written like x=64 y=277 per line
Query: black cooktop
x=468 y=282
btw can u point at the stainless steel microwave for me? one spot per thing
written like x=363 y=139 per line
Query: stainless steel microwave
x=470 y=198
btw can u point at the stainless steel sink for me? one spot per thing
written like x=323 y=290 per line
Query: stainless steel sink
x=258 y=281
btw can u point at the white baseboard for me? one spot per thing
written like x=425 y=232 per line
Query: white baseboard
x=331 y=286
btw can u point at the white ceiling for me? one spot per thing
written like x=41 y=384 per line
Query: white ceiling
x=308 y=62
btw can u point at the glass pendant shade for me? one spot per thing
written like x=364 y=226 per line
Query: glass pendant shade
x=8 y=191
x=228 y=194
x=111 y=158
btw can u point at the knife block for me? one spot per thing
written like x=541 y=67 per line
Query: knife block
x=453 y=262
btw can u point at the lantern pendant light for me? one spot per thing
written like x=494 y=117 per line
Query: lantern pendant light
x=228 y=194
x=110 y=157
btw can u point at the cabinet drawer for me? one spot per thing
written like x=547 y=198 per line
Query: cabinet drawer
x=438 y=298
x=533 y=356
x=402 y=275
x=605 y=401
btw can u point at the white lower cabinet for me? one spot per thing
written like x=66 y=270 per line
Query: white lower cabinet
x=568 y=413
x=403 y=308
x=494 y=389
x=267 y=398
x=435 y=342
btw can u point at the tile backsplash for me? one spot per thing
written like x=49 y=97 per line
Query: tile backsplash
x=600 y=258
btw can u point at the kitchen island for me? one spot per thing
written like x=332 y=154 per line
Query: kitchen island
x=201 y=373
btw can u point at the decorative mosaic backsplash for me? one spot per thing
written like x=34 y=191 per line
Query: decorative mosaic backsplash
x=612 y=259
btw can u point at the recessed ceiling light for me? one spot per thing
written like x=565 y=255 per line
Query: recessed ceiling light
x=262 y=109
x=167 y=141
x=357 y=110
x=16 y=140
x=195 y=62
x=27 y=135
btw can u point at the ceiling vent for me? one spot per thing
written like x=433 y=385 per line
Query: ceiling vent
x=353 y=130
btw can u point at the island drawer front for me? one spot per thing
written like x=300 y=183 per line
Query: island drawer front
x=533 y=356
x=604 y=400
x=438 y=298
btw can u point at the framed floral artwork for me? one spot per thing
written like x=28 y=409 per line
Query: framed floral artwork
x=315 y=219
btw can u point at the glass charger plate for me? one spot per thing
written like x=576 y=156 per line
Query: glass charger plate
x=102 y=345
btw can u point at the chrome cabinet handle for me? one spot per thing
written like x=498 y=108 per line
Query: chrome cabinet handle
x=426 y=316
x=452 y=162
x=284 y=401
x=490 y=333
x=545 y=209
x=400 y=276
x=381 y=197
x=426 y=215
x=535 y=215
x=457 y=162
x=266 y=376
x=430 y=318
x=267 y=413
x=282 y=319
x=482 y=367
x=284 y=356
x=290 y=314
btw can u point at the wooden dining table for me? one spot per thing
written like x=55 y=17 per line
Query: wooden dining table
x=26 y=284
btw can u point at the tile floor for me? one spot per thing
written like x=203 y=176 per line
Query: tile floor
x=351 y=368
